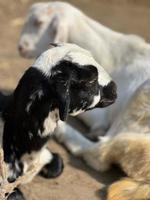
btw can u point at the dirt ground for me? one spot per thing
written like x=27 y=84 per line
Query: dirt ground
x=78 y=182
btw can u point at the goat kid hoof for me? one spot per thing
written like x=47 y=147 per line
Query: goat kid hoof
x=54 y=168
x=15 y=195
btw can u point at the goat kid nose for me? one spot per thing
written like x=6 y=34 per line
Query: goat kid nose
x=108 y=95
x=20 y=48
x=23 y=46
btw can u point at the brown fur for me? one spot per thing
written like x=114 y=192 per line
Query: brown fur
x=128 y=189
x=132 y=153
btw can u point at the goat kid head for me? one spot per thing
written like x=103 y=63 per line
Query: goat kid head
x=77 y=81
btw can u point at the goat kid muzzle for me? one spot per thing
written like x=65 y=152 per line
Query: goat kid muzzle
x=108 y=95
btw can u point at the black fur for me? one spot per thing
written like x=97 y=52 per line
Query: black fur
x=18 y=122
x=76 y=84
x=4 y=100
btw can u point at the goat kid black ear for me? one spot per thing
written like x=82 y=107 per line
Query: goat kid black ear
x=63 y=100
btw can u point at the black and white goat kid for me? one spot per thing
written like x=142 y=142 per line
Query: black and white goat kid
x=64 y=80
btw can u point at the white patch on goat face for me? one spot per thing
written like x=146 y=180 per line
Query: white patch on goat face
x=103 y=77
x=50 y=123
x=85 y=58
x=76 y=112
x=96 y=100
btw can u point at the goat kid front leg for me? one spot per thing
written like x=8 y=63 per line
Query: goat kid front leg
x=54 y=167
x=44 y=162
x=49 y=165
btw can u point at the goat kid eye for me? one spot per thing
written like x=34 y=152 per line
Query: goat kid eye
x=37 y=23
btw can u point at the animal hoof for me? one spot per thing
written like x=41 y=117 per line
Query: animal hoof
x=54 y=168
x=16 y=195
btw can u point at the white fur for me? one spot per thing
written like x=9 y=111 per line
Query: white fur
x=39 y=159
x=73 y=53
x=76 y=112
x=50 y=123
x=95 y=101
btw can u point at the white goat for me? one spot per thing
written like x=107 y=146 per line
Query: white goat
x=59 y=21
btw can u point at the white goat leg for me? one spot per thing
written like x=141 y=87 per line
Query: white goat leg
x=95 y=119
x=71 y=138
x=78 y=145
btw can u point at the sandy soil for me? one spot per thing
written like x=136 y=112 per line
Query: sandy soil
x=78 y=182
